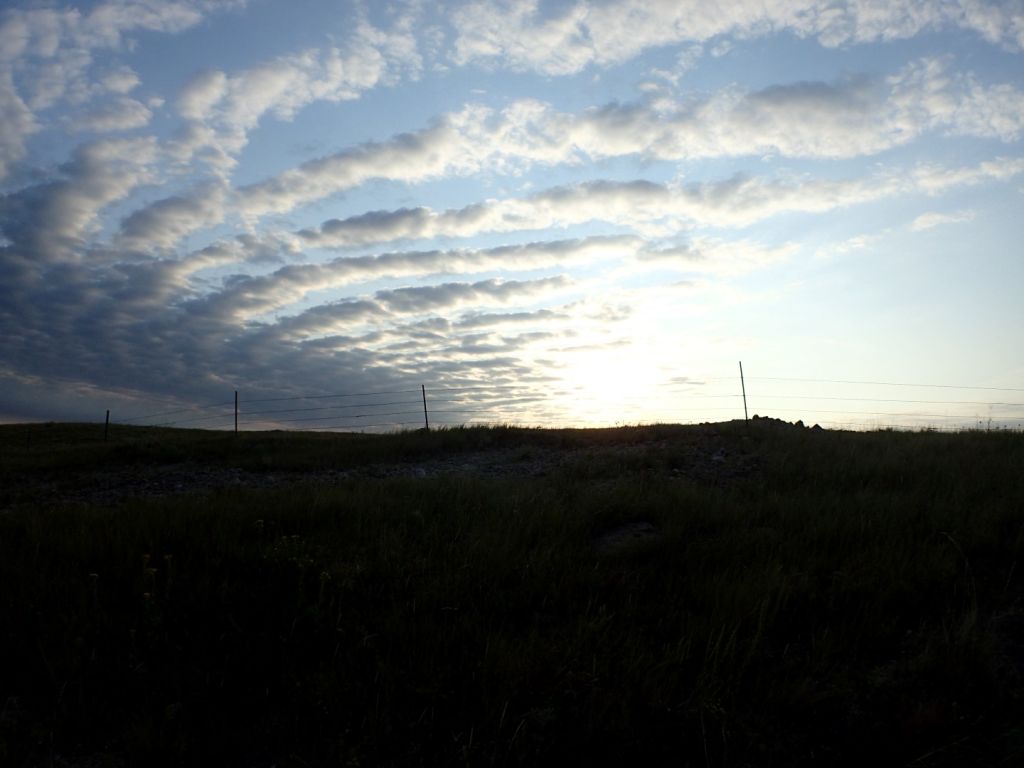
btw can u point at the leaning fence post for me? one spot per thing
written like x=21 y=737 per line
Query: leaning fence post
x=743 y=385
x=106 y=426
x=426 y=418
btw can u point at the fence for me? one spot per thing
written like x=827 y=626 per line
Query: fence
x=832 y=403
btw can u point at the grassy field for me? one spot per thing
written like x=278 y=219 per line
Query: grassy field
x=797 y=597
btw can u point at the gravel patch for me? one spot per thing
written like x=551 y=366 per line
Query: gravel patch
x=703 y=461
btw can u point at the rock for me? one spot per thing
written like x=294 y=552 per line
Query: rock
x=624 y=537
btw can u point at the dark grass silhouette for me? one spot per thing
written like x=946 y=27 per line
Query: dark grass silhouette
x=800 y=598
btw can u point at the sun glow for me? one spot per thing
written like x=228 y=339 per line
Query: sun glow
x=611 y=385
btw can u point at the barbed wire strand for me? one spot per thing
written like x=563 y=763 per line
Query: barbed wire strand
x=885 y=383
x=171 y=413
x=325 y=397
x=512 y=407
x=348 y=416
x=328 y=408
x=361 y=426
x=883 y=400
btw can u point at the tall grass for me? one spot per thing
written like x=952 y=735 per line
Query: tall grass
x=846 y=598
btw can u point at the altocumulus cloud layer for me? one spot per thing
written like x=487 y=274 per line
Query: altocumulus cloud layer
x=200 y=196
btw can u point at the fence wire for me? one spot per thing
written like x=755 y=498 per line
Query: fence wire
x=544 y=404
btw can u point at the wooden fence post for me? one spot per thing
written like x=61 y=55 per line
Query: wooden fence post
x=106 y=426
x=426 y=418
x=743 y=385
x=236 y=411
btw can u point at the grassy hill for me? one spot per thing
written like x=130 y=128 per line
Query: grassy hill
x=712 y=595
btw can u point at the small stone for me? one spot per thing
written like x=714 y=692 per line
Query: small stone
x=624 y=537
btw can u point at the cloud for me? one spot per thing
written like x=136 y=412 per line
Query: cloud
x=721 y=257
x=248 y=296
x=18 y=124
x=438 y=150
x=52 y=221
x=46 y=58
x=995 y=112
x=121 y=114
x=518 y=35
x=934 y=179
x=43 y=32
x=934 y=219
x=926 y=96
x=120 y=80
x=849 y=245
x=222 y=109
x=163 y=223
x=330 y=318
x=491 y=319
x=201 y=94
x=373 y=227
x=523 y=36
x=384 y=313
x=651 y=209
x=432 y=298
x=106 y=24
x=854 y=116
x=101 y=275
x=153 y=326
x=641 y=205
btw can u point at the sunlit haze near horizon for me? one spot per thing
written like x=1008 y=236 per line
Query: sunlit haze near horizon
x=542 y=213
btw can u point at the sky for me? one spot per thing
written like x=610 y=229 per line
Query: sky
x=543 y=213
